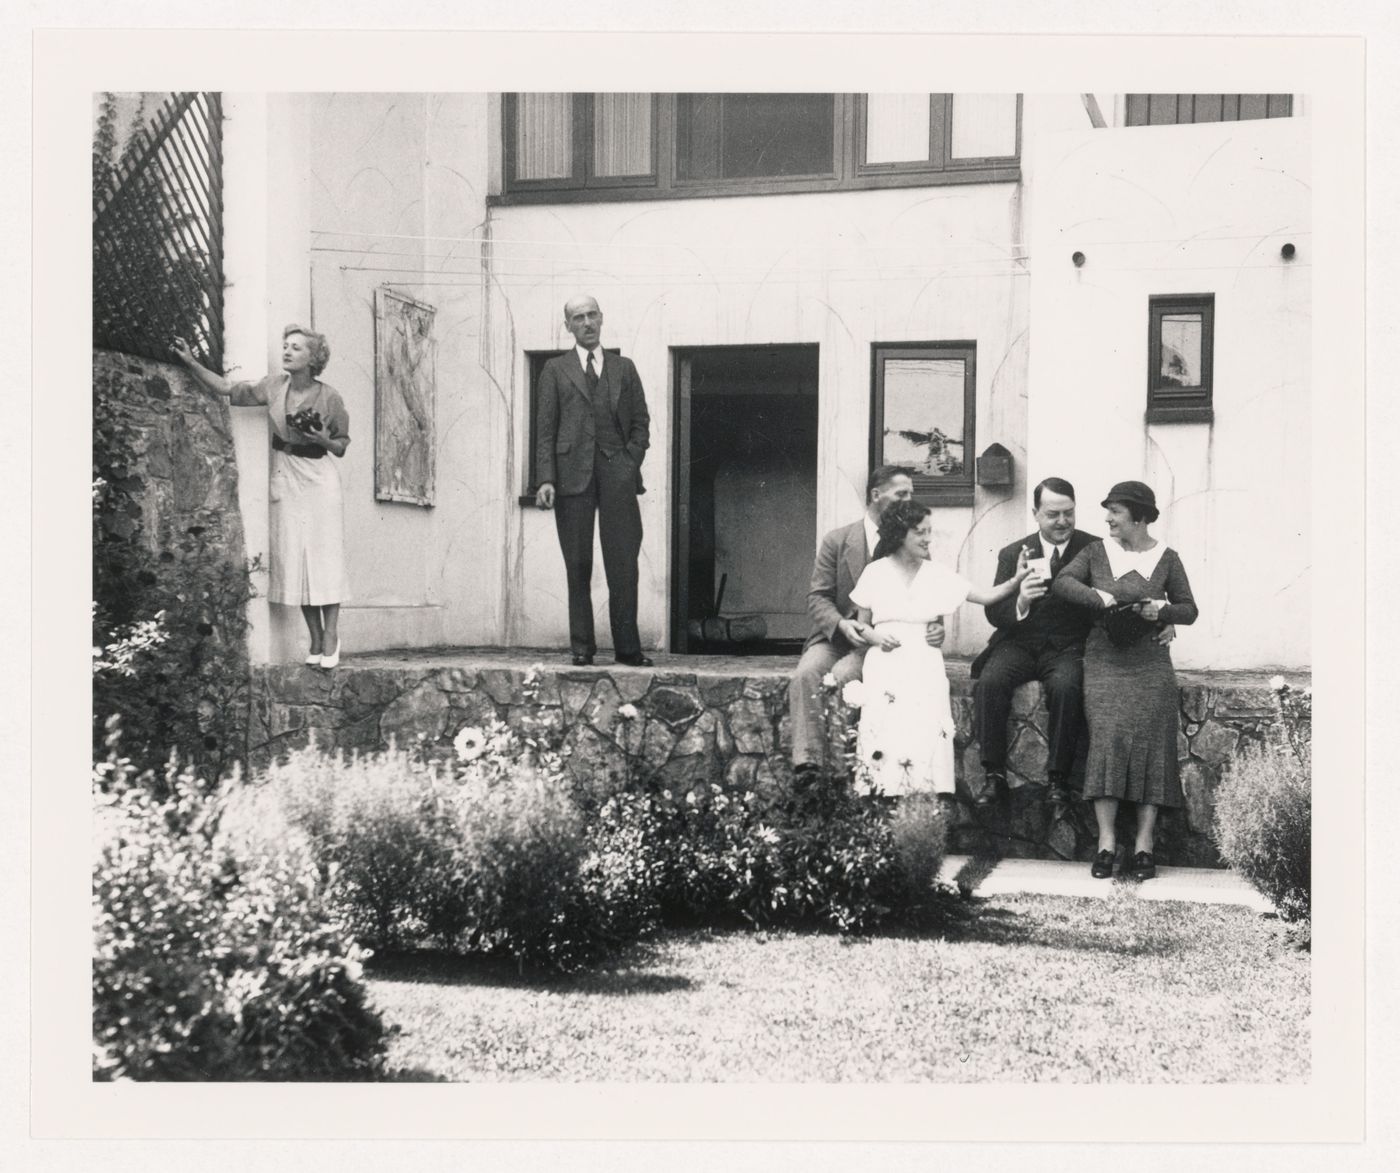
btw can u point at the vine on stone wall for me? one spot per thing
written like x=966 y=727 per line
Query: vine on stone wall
x=187 y=692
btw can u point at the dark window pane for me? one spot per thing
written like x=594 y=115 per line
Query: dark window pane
x=1208 y=108
x=1137 y=110
x=1161 y=110
x=751 y=136
x=1280 y=105
x=1254 y=106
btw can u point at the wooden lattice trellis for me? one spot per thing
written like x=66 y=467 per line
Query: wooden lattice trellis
x=157 y=235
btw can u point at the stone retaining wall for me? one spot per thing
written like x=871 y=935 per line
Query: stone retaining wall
x=725 y=720
x=183 y=450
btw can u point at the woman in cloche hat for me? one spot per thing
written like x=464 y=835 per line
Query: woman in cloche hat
x=1138 y=586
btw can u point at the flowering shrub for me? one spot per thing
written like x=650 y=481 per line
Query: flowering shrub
x=384 y=826
x=825 y=857
x=1263 y=810
x=492 y=854
x=209 y=964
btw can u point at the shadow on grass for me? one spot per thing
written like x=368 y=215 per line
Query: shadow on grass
x=620 y=977
x=1080 y=927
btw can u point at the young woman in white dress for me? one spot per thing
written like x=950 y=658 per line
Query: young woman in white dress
x=309 y=423
x=906 y=717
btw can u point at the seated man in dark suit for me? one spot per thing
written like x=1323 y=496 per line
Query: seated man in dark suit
x=1037 y=637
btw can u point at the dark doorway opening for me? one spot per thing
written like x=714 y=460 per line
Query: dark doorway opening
x=746 y=498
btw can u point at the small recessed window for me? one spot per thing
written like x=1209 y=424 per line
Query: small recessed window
x=1180 y=358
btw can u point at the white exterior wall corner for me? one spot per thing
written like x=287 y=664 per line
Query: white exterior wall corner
x=1185 y=209
x=395 y=195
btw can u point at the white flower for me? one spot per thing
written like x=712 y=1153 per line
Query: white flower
x=627 y=712
x=829 y=680
x=1277 y=683
x=766 y=835
x=690 y=798
x=854 y=693
x=470 y=743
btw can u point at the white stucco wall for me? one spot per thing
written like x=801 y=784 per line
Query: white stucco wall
x=1188 y=209
x=396 y=193
x=840 y=270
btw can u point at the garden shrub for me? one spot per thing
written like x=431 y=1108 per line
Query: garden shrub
x=1263 y=809
x=382 y=825
x=210 y=964
x=1263 y=825
x=493 y=855
x=827 y=856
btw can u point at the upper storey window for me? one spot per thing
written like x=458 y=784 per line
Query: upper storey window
x=561 y=147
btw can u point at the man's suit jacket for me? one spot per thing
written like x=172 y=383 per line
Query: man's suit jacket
x=564 y=425
x=841 y=557
x=1050 y=617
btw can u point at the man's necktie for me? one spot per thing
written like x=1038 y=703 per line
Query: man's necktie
x=1055 y=562
x=591 y=375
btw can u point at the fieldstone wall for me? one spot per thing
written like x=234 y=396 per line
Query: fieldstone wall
x=724 y=720
x=183 y=450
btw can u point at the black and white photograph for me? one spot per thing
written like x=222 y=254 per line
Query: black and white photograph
x=807 y=591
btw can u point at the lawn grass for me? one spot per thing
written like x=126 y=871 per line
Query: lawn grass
x=1031 y=988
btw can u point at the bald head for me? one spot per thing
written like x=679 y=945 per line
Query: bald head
x=584 y=320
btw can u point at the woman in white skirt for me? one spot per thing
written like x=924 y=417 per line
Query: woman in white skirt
x=309 y=422
x=906 y=714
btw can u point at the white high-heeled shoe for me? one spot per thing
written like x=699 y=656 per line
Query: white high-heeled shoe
x=333 y=660
x=314 y=660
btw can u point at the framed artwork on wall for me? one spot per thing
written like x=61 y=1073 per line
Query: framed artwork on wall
x=405 y=399
x=924 y=405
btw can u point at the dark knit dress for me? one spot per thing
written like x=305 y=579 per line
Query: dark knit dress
x=1131 y=698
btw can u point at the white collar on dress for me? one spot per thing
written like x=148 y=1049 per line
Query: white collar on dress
x=1121 y=561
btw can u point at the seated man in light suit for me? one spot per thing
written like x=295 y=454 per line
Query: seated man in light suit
x=838 y=642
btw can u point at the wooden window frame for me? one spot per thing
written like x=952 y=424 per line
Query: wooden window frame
x=935 y=491
x=848 y=149
x=582 y=177
x=1180 y=405
x=534 y=367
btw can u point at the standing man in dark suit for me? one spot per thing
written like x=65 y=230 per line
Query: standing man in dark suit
x=1037 y=637
x=838 y=642
x=591 y=435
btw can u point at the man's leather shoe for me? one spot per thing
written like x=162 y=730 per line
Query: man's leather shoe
x=583 y=661
x=992 y=791
x=637 y=661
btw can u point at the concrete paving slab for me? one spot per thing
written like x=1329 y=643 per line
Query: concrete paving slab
x=1045 y=877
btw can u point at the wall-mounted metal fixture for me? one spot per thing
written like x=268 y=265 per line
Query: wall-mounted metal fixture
x=994 y=467
x=1078 y=259
x=1288 y=252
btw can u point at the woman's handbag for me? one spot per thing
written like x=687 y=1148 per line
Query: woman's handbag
x=1124 y=626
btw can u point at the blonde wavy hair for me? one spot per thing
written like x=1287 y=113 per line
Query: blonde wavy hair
x=319 y=347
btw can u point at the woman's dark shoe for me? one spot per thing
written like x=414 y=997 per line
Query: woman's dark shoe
x=1102 y=867
x=1144 y=868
